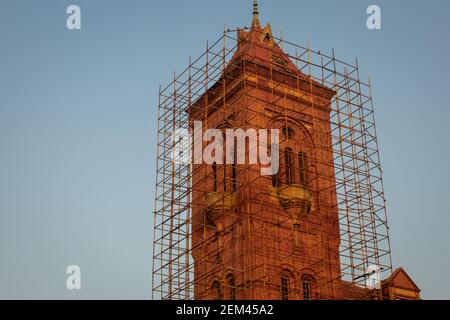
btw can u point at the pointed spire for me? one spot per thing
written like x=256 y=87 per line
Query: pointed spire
x=255 y=22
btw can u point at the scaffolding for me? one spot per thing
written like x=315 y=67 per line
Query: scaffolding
x=191 y=253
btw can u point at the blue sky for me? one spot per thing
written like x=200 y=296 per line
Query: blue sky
x=78 y=129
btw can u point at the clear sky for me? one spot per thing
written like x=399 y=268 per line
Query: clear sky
x=78 y=128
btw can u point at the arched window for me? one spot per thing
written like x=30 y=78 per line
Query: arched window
x=302 y=168
x=231 y=287
x=214 y=168
x=284 y=287
x=217 y=293
x=288 y=132
x=307 y=287
x=289 y=165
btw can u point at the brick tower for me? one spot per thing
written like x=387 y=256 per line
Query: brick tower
x=317 y=227
x=266 y=237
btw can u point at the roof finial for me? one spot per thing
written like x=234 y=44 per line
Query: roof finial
x=255 y=22
x=255 y=7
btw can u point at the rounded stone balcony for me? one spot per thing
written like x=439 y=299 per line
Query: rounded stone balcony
x=217 y=203
x=294 y=196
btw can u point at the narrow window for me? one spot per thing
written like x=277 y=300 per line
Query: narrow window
x=289 y=166
x=307 y=288
x=214 y=168
x=296 y=236
x=274 y=176
x=216 y=290
x=218 y=246
x=302 y=168
x=224 y=178
x=284 y=288
x=275 y=180
x=234 y=178
x=231 y=286
x=234 y=171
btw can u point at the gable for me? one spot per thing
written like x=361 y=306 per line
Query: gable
x=402 y=280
